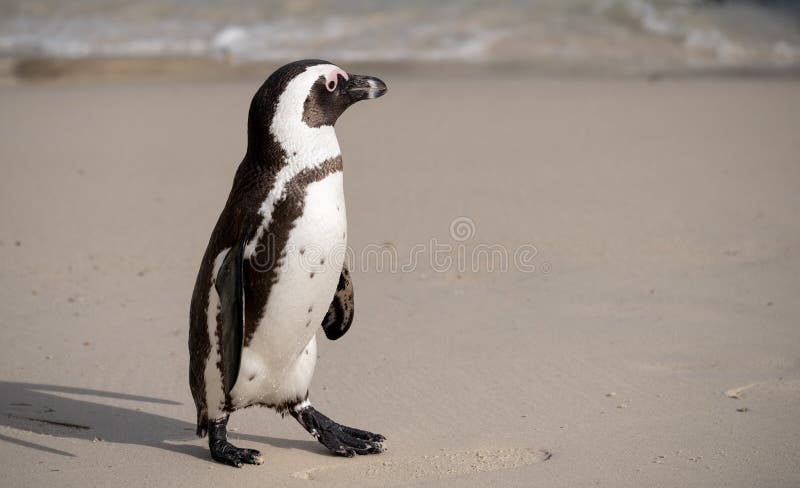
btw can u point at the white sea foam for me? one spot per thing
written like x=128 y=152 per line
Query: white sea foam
x=612 y=33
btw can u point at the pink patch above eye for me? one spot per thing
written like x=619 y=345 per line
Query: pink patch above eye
x=332 y=79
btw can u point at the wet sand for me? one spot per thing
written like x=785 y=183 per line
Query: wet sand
x=651 y=234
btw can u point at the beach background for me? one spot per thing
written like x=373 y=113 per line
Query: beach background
x=611 y=188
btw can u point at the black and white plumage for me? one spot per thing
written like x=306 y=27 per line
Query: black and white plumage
x=273 y=270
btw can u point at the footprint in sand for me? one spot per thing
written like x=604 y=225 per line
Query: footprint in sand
x=433 y=466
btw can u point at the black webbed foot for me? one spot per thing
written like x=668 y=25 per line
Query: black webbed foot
x=340 y=439
x=226 y=453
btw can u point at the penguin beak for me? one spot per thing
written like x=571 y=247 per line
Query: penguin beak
x=360 y=87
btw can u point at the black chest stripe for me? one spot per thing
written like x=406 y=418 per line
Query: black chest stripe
x=260 y=271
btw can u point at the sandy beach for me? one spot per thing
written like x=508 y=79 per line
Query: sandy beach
x=644 y=331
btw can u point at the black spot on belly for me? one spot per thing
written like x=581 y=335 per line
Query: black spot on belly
x=308 y=323
x=251 y=378
x=302 y=250
x=322 y=261
x=310 y=308
x=311 y=275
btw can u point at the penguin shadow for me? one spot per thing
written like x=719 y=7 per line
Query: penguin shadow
x=55 y=410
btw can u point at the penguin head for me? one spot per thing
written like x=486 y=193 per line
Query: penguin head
x=329 y=91
x=303 y=95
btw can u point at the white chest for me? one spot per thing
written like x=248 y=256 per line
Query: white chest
x=279 y=359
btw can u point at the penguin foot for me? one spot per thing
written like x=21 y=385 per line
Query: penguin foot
x=340 y=439
x=226 y=453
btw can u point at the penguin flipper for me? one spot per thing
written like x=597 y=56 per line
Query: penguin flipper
x=342 y=309
x=229 y=286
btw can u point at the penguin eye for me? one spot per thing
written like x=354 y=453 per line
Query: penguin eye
x=332 y=79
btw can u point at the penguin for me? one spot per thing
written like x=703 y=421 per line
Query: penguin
x=274 y=270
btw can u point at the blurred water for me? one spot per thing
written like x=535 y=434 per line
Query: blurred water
x=624 y=34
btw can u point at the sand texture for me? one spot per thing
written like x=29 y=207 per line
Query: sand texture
x=652 y=337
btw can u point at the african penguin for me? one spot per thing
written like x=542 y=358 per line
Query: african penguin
x=274 y=271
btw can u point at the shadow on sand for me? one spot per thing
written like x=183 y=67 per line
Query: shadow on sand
x=53 y=410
